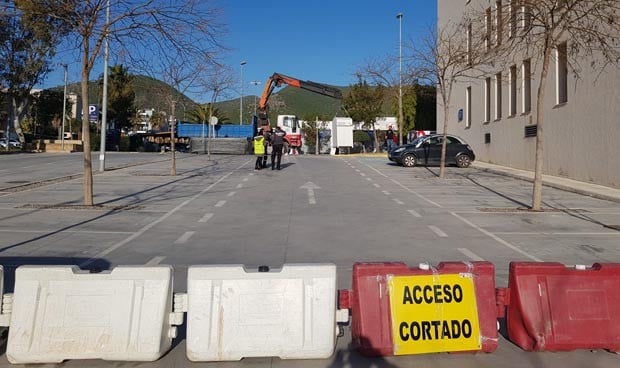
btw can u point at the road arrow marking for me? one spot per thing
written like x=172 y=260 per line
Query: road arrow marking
x=310 y=186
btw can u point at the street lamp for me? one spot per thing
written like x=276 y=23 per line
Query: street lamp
x=241 y=99
x=104 y=102
x=64 y=110
x=399 y=16
x=255 y=83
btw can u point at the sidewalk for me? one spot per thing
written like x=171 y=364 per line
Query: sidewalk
x=593 y=190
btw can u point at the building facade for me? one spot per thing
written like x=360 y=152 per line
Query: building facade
x=495 y=113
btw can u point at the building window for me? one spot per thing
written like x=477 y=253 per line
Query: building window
x=488 y=28
x=487 y=100
x=469 y=43
x=526 y=16
x=498 y=22
x=468 y=107
x=526 y=86
x=512 y=95
x=512 y=30
x=561 y=74
x=498 y=96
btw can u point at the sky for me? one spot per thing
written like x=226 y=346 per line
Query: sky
x=324 y=41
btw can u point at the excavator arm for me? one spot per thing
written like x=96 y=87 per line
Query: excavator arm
x=277 y=80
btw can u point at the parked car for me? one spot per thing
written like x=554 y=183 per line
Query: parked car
x=12 y=143
x=426 y=150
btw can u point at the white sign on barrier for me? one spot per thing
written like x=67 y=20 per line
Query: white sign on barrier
x=62 y=312
x=288 y=313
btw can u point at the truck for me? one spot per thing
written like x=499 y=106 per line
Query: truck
x=289 y=123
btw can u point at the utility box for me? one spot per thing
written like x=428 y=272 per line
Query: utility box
x=342 y=135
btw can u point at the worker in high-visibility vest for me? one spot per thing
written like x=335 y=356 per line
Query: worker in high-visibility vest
x=259 y=149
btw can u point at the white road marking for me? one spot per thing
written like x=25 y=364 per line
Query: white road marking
x=185 y=237
x=239 y=186
x=398 y=201
x=386 y=192
x=310 y=187
x=145 y=228
x=369 y=179
x=406 y=188
x=471 y=255
x=414 y=213
x=611 y=232
x=358 y=170
x=231 y=194
x=220 y=204
x=377 y=185
x=155 y=261
x=206 y=217
x=438 y=231
x=245 y=179
x=496 y=238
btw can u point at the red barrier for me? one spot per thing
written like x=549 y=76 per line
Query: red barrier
x=373 y=328
x=555 y=308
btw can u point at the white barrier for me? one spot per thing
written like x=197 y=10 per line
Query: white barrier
x=288 y=313
x=62 y=312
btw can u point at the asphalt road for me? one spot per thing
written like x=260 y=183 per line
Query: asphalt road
x=340 y=210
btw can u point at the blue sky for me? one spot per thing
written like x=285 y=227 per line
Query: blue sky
x=320 y=40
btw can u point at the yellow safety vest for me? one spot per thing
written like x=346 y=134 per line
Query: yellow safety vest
x=259 y=145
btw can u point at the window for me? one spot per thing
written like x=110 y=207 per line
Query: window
x=526 y=86
x=561 y=74
x=468 y=107
x=498 y=96
x=498 y=22
x=512 y=95
x=512 y=30
x=469 y=42
x=526 y=16
x=487 y=100
x=488 y=28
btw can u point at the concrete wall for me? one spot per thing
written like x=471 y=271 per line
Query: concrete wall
x=581 y=137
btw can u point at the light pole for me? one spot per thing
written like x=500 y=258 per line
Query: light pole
x=64 y=110
x=399 y=16
x=255 y=83
x=104 y=102
x=241 y=99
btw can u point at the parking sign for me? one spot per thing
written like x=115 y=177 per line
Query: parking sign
x=93 y=113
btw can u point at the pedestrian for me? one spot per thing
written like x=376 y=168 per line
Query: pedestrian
x=389 y=139
x=277 y=143
x=259 y=149
x=268 y=148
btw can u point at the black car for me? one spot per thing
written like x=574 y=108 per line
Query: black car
x=426 y=150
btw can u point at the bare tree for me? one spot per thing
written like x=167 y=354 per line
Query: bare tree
x=142 y=30
x=447 y=56
x=581 y=33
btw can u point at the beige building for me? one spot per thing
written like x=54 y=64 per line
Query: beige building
x=496 y=113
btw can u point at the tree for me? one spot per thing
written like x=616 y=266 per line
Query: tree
x=142 y=30
x=27 y=44
x=121 y=96
x=363 y=103
x=446 y=56
x=47 y=107
x=583 y=33
x=385 y=72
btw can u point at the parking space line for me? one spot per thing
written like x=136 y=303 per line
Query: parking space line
x=145 y=228
x=496 y=238
x=414 y=213
x=386 y=192
x=231 y=194
x=206 y=217
x=155 y=261
x=239 y=186
x=185 y=237
x=405 y=187
x=471 y=255
x=398 y=201
x=438 y=231
x=369 y=179
x=220 y=203
x=377 y=185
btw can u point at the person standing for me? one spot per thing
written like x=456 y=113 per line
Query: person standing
x=259 y=149
x=277 y=143
x=389 y=139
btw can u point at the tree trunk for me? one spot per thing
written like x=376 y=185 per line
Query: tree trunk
x=173 y=162
x=88 y=172
x=17 y=114
x=442 y=164
x=538 y=168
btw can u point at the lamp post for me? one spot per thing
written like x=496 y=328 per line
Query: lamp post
x=64 y=110
x=399 y=16
x=104 y=102
x=241 y=99
x=255 y=83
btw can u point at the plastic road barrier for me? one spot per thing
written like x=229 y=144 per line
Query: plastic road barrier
x=62 y=312
x=233 y=313
x=397 y=310
x=554 y=308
